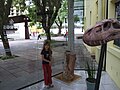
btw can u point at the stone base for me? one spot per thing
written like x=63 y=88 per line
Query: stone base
x=60 y=77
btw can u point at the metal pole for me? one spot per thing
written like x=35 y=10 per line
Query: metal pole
x=102 y=57
x=100 y=65
x=71 y=25
x=106 y=43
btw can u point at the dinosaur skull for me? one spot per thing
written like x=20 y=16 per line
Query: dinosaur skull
x=102 y=32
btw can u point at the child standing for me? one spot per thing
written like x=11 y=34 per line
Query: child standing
x=46 y=54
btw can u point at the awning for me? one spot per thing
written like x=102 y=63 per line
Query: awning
x=20 y=19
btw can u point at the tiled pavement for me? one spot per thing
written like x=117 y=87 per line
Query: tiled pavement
x=26 y=69
x=80 y=84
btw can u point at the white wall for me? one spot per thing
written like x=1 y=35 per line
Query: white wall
x=20 y=33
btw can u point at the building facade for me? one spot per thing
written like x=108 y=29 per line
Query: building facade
x=97 y=10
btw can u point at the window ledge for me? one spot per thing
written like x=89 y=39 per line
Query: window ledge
x=114 y=51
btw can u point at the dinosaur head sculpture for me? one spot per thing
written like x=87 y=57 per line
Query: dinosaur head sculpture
x=102 y=32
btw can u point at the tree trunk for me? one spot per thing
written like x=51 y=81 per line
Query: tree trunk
x=60 y=27
x=47 y=31
x=59 y=32
x=59 y=24
x=5 y=43
x=68 y=73
x=5 y=6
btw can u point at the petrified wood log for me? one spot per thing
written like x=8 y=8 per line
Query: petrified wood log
x=69 y=65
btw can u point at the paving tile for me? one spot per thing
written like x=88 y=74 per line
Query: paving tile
x=6 y=76
x=15 y=70
x=77 y=85
x=21 y=73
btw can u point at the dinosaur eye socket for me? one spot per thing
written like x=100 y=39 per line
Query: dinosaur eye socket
x=99 y=29
x=116 y=25
x=106 y=26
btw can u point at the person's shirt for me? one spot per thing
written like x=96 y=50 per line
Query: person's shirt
x=39 y=35
x=47 y=55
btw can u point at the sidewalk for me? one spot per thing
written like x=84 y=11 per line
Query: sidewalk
x=80 y=84
x=26 y=69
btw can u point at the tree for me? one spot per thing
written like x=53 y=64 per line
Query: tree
x=76 y=18
x=48 y=10
x=61 y=15
x=28 y=8
x=5 y=11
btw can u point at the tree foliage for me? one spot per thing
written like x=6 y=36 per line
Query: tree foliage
x=62 y=15
x=76 y=18
x=19 y=4
x=63 y=12
x=48 y=10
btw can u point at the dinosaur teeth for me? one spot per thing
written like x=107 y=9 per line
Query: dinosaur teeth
x=104 y=41
x=100 y=42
